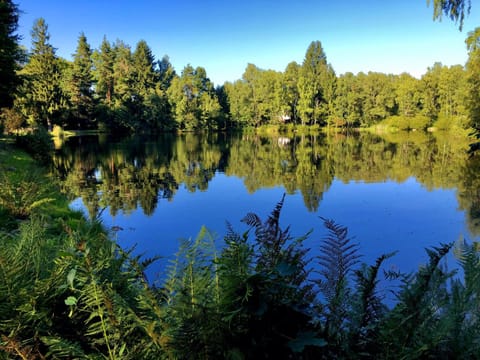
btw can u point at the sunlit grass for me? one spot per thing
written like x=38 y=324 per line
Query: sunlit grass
x=26 y=188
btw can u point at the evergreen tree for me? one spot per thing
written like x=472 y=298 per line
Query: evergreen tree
x=104 y=72
x=81 y=85
x=43 y=84
x=165 y=73
x=123 y=73
x=10 y=53
x=313 y=84
x=143 y=69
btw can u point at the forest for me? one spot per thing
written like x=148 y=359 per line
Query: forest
x=118 y=88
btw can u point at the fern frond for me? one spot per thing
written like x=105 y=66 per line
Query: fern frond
x=412 y=328
x=62 y=348
x=337 y=258
x=369 y=308
x=252 y=220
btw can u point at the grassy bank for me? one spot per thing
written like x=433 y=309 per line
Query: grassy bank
x=26 y=189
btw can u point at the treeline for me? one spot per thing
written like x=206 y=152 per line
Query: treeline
x=113 y=88
x=118 y=88
x=311 y=94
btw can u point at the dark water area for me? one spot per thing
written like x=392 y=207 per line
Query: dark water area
x=401 y=192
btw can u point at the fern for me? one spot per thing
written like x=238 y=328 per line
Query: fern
x=192 y=294
x=22 y=195
x=336 y=261
x=461 y=320
x=61 y=348
x=279 y=254
x=412 y=329
x=272 y=306
x=107 y=306
x=368 y=309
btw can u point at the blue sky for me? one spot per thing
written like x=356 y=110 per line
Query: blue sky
x=224 y=36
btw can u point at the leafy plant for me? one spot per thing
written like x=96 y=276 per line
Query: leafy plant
x=191 y=295
x=336 y=261
x=412 y=328
x=23 y=193
x=38 y=144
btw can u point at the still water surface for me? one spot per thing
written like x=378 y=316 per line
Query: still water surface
x=394 y=193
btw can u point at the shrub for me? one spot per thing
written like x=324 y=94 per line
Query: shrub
x=418 y=122
x=12 y=120
x=38 y=144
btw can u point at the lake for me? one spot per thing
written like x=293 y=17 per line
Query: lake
x=396 y=192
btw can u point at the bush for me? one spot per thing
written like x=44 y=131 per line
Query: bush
x=12 y=120
x=38 y=144
x=451 y=122
x=417 y=122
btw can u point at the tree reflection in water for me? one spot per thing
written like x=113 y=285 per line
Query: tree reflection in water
x=135 y=172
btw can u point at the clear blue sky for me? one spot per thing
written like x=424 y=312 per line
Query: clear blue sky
x=223 y=36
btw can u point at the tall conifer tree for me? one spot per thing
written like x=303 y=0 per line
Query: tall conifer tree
x=81 y=85
x=104 y=63
x=43 y=74
x=143 y=68
x=10 y=53
x=314 y=84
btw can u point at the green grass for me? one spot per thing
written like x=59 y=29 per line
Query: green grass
x=27 y=188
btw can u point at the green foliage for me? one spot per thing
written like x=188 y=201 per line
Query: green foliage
x=23 y=194
x=336 y=261
x=10 y=54
x=11 y=120
x=192 y=295
x=193 y=100
x=450 y=123
x=74 y=294
x=368 y=309
x=38 y=144
x=473 y=78
x=417 y=122
x=134 y=92
x=80 y=87
x=42 y=91
x=316 y=86
x=454 y=9
x=411 y=329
